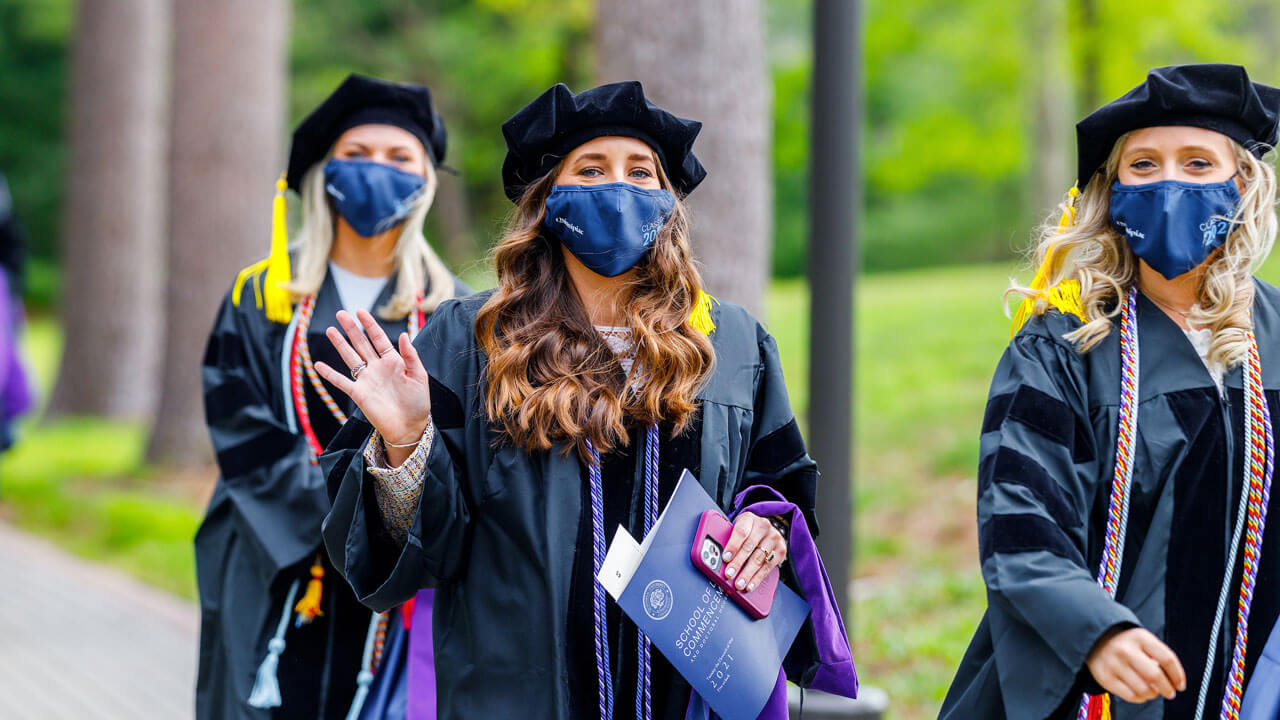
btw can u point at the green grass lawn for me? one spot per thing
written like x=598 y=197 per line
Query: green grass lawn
x=927 y=343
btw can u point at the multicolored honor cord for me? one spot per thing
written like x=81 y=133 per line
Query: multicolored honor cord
x=604 y=675
x=1098 y=707
x=1260 y=456
x=1258 y=467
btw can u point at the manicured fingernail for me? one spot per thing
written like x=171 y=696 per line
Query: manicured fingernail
x=731 y=572
x=751 y=587
x=741 y=582
x=728 y=556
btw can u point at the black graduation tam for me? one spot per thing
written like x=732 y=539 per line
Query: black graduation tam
x=547 y=129
x=361 y=100
x=1211 y=96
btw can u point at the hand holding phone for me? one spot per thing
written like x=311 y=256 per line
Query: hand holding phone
x=714 y=531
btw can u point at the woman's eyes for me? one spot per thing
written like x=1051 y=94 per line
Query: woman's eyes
x=595 y=172
x=1193 y=164
x=354 y=154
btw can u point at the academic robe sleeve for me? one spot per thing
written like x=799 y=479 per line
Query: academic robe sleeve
x=381 y=571
x=267 y=472
x=777 y=456
x=1038 y=477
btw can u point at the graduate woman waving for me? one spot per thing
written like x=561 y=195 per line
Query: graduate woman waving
x=281 y=634
x=1127 y=532
x=526 y=422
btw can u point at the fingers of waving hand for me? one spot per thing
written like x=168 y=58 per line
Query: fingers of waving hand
x=345 y=351
x=337 y=379
x=381 y=344
x=412 y=362
x=392 y=390
x=356 y=337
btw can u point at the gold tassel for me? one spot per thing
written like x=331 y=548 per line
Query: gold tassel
x=700 y=319
x=308 y=608
x=1065 y=296
x=1099 y=707
x=269 y=276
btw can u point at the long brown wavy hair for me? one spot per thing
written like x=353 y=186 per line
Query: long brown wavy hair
x=551 y=377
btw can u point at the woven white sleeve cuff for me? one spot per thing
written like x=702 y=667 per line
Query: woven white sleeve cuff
x=398 y=489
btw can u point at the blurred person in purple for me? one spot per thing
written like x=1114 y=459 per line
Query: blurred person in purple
x=15 y=391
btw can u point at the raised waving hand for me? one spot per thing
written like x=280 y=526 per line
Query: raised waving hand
x=388 y=383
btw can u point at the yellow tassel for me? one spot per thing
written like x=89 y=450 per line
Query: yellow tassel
x=701 y=316
x=269 y=276
x=1099 y=707
x=308 y=608
x=1065 y=296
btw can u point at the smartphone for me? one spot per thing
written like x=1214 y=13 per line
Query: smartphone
x=714 y=531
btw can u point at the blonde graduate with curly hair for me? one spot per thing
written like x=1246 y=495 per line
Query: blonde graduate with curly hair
x=1126 y=452
x=557 y=407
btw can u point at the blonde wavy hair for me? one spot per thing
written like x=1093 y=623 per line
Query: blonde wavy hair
x=417 y=265
x=551 y=377
x=1093 y=253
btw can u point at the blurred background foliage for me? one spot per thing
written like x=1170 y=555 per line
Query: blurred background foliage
x=951 y=90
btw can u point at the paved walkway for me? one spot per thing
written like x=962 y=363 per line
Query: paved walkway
x=79 y=641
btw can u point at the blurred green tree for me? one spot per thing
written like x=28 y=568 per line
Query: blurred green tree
x=482 y=59
x=953 y=145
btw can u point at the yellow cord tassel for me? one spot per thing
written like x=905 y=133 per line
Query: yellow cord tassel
x=308 y=608
x=700 y=319
x=1065 y=296
x=269 y=276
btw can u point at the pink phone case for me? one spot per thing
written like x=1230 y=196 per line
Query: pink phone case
x=709 y=558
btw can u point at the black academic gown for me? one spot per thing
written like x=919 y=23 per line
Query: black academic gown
x=1044 y=483
x=261 y=530
x=498 y=529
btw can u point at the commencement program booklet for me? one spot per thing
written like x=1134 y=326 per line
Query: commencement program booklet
x=730 y=659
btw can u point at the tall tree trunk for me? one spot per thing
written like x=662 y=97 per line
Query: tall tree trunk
x=112 y=254
x=228 y=112
x=706 y=60
x=1053 y=131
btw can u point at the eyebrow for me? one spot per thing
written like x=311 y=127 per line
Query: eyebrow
x=1185 y=148
x=600 y=157
x=395 y=148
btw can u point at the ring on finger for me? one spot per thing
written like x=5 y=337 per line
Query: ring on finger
x=355 y=371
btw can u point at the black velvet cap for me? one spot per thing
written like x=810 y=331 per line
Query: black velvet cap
x=557 y=121
x=1211 y=96
x=361 y=100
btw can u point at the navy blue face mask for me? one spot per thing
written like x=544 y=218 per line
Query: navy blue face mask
x=370 y=196
x=609 y=228
x=1174 y=225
